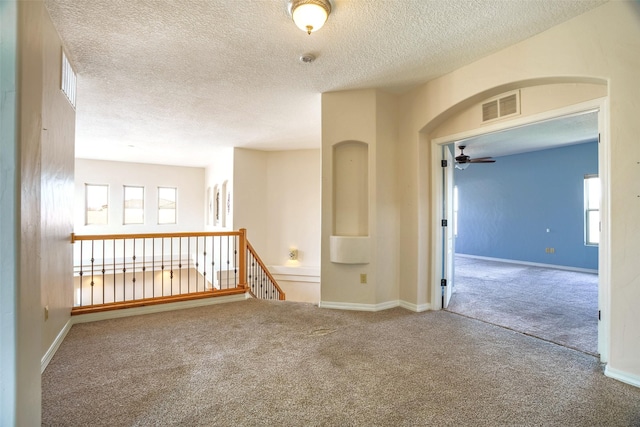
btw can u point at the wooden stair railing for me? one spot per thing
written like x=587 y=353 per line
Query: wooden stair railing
x=132 y=270
x=261 y=283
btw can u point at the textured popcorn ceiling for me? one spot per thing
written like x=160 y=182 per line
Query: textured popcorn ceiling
x=169 y=81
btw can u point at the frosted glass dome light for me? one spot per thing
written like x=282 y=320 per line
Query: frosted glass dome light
x=310 y=15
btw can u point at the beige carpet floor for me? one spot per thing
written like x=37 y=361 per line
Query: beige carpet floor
x=260 y=363
x=556 y=305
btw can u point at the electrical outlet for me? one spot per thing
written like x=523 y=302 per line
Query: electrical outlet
x=363 y=278
x=46 y=312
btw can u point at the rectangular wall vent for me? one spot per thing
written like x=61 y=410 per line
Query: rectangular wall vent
x=490 y=110
x=501 y=106
x=68 y=81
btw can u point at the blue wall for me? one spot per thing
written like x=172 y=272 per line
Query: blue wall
x=505 y=208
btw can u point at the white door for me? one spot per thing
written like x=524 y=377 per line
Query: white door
x=447 y=224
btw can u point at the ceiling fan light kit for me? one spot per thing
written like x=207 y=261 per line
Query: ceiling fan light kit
x=309 y=15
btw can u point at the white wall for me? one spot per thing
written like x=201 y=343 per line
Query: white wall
x=189 y=181
x=293 y=207
x=219 y=172
x=276 y=197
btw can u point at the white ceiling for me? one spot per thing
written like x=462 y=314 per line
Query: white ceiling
x=168 y=82
x=553 y=133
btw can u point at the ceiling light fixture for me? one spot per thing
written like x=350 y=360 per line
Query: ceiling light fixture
x=309 y=15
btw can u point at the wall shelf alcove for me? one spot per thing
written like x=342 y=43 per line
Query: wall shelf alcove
x=349 y=243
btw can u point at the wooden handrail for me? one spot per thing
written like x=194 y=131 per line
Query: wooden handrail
x=75 y=237
x=242 y=258
x=131 y=259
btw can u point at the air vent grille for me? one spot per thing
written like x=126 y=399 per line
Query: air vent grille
x=508 y=105
x=490 y=110
x=68 y=81
x=501 y=106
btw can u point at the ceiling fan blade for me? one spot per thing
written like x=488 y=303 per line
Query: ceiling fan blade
x=482 y=160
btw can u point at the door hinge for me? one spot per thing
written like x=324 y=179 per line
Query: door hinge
x=443 y=282
x=598 y=138
x=443 y=163
x=599 y=315
x=444 y=222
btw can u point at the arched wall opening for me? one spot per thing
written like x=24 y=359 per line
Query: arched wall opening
x=438 y=131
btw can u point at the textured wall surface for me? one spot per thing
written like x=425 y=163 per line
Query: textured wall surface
x=56 y=198
x=505 y=208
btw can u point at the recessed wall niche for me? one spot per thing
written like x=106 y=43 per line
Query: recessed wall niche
x=351 y=189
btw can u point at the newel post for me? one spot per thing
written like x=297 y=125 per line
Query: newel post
x=243 y=258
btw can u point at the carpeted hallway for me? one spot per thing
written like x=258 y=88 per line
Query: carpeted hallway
x=256 y=363
x=555 y=305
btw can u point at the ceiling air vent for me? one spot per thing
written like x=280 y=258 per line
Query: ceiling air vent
x=501 y=106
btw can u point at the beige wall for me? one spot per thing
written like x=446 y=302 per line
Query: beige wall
x=367 y=116
x=45 y=137
x=293 y=207
x=250 y=196
x=276 y=197
x=30 y=319
x=56 y=195
x=533 y=100
x=600 y=45
x=346 y=116
x=592 y=55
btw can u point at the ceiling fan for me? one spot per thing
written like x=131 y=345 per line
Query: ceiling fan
x=463 y=161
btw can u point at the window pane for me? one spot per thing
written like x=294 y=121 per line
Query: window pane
x=593 y=232
x=167 y=205
x=97 y=204
x=593 y=192
x=133 y=205
x=591 y=207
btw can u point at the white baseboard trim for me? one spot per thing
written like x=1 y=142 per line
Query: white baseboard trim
x=374 y=307
x=533 y=264
x=156 y=308
x=415 y=307
x=625 y=377
x=55 y=345
x=357 y=306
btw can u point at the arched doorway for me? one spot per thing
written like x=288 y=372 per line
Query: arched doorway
x=432 y=148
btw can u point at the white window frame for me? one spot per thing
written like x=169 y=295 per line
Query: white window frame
x=589 y=209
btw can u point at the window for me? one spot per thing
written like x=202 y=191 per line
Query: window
x=96 y=204
x=133 y=205
x=455 y=210
x=167 y=197
x=591 y=210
